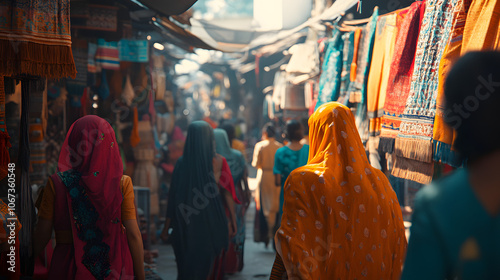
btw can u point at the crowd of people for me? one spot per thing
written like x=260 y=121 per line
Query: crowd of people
x=330 y=213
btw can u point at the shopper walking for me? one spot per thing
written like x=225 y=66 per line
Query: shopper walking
x=87 y=203
x=289 y=158
x=267 y=195
x=201 y=209
x=341 y=218
x=237 y=165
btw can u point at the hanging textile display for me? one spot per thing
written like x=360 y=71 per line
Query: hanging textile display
x=471 y=32
x=279 y=89
x=347 y=56
x=35 y=38
x=145 y=172
x=408 y=22
x=38 y=160
x=133 y=50
x=4 y=135
x=304 y=62
x=358 y=88
x=76 y=86
x=329 y=81
x=413 y=144
x=107 y=55
x=378 y=78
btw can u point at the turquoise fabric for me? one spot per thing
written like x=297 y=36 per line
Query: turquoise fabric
x=331 y=70
x=285 y=161
x=237 y=164
x=234 y=158
x=452 y=235
x=133 y=50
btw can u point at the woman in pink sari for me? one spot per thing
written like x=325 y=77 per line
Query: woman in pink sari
x=90 y=205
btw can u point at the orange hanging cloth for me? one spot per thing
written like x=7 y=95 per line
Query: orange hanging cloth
x=354 y=64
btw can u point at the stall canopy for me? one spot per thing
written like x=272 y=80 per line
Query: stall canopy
x=167 y=7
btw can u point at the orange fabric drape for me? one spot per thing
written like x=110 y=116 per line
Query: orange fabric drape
x=475 y=27
x=354 y=64
x=341 y=218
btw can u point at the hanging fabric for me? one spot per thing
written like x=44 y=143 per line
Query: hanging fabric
x=358 y=87
x=133 y=50
x=35 y=39
x=476 y=27
x=4 y=136
x=76 y=86
x=408 y=22
x=378 y=78
x=103 y=89
x=134 y=136
x=279 y=89
x=107 y=55
x=329 y=81
x=413 y=144
x=347 y=57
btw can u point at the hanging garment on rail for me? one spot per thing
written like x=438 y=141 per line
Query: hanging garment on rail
x=329 y=81
x=476 y=27
x=413 y=144
x=35 y=38
x=408 y=22
x=358 y=88
x=383 y=49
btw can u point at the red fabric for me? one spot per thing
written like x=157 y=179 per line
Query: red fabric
x=42 y=262
x=66 y=261
x=226 y=181
x=91 y=149
x=84 y=109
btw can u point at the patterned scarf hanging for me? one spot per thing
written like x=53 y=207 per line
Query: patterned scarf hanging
x=35 y=38
x=329 y=81
x=414 y=142
x=358 y=88
x=408 y=23
x=345 y=76
x=475 y=28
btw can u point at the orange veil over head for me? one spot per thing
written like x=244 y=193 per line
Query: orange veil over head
x=341 y=218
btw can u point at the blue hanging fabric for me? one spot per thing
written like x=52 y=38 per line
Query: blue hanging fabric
x=103 y=90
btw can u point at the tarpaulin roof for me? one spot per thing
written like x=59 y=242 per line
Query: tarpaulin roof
x=168 y=7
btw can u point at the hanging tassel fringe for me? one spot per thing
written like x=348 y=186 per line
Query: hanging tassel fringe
x=417 y=171
x=386 y=145
x=420 y=150
x=49 y=61
x=444 y=154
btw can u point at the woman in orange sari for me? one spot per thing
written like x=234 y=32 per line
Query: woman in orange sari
x=341 y=218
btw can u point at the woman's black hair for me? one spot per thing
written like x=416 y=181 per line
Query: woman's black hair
x=230 y=130
x=472 y=94
x=293 y=130
x=270 y=130
x=305 y=125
